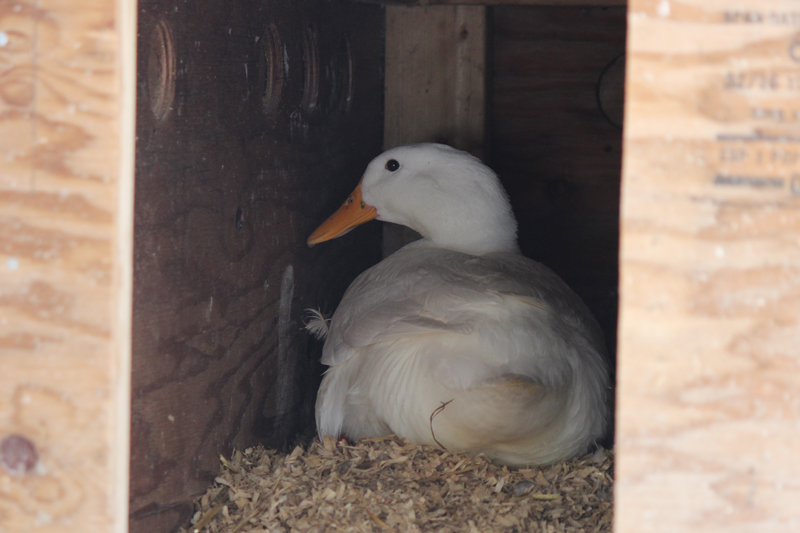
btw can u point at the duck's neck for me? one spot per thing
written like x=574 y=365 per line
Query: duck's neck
x=479 y=234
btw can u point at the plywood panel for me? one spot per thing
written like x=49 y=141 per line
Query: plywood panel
x=66 y=184
x=709 y=375
x=556 y=152
x=233 y=174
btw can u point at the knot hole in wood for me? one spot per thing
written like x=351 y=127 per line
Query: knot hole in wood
x=18 y=455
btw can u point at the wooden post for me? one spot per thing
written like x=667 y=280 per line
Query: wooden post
x=67 y=92
x=709 y=381
x=435 y=84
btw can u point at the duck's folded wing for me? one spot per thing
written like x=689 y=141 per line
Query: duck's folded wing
x=484 y=316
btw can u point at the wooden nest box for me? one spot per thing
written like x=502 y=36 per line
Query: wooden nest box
x=163 y=164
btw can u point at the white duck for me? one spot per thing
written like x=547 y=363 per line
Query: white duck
x=457 y=340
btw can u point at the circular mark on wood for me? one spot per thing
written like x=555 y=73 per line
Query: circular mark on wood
x=17 y=92
x=272 y=69
x=342 y=78
x=611 y=91
x=161 y=70
x=794 y=48
x=239 y=219
x=310 y=70
x=18 y=455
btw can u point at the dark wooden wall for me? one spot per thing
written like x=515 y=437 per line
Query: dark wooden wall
x=557 y=152
x=247 y=139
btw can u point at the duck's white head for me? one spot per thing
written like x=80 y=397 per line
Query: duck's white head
x=448 y=196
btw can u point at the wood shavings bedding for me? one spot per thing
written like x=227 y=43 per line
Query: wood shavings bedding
x=389 y=484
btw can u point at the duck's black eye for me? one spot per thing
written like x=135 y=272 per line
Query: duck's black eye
x=392 y=165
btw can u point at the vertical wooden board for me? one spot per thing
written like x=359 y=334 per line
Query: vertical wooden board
x=709 y=376
x=557 y=154
x=231 y=180
x=66 y=184
x=435 y=89
x=435 y=68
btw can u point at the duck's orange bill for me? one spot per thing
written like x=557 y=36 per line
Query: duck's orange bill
x=352 y=213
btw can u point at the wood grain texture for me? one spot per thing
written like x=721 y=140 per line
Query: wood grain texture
x=66 y=184
x=435 y=76
x=228 y=189
x=709 y=378
x=556 y=153
x=435 y=84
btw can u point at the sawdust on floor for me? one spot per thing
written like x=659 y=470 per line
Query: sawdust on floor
x=389 y=484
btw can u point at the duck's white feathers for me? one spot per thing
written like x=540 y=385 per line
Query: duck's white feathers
x=514 y=354
x=316 y=323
